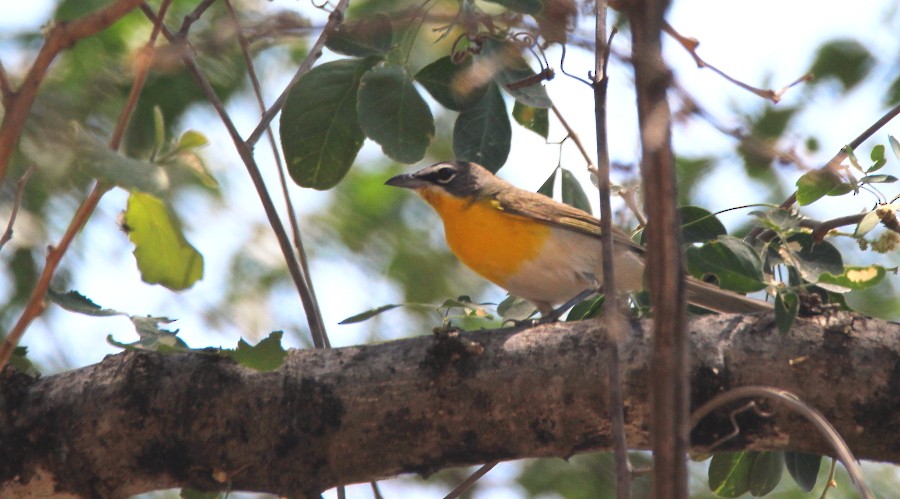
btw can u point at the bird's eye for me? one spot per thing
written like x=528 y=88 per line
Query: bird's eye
x=445 y=174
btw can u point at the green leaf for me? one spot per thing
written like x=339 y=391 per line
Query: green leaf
x=851 y=155
x=152 y=337
x=267 y=355
x=817 y=183
x=320 y=132
x=812 y=258
x=163 y=254
x=877 y=157
x=587 y=309
x=524 y=6
x=106 y=165
x=547 y=187
x=364 y=37
x=878 y=179
x=482 y=133
x=455 y=86
x=572 y=193
x=804 y=468
x=699 y=225
x=532 y=118
x=734 y=263
x=729 y=473
x=191 y=139
x=895 y=144
x=20 y=362
x=509 y=67
x=368 y=314
x=853 y=278
x=73 y=301
x=159 y=129
x=787 y=305
x=515 y=308
x=846 y=61
x=766 y=472
x=392 y=113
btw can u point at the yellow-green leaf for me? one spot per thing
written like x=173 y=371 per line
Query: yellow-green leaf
x=163 y=254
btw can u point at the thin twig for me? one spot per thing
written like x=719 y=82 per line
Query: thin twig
x=474 y=477
x=20 y=193
x=334 y=20
x=279 y=166
x=376 y=492
x=36 y=304
x=835 y=162
x=691 y=44
x=193 y=16
x=60 y=37
x=611 y=309
x=570 y=132
x=798 y=406
x=245 y=151
x=6 y=91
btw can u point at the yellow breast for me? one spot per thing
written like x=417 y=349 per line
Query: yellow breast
x=493 y=243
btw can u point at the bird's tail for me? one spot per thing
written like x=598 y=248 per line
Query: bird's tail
x=708 y=296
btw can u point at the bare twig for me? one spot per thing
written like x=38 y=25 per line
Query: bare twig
x=334 y=20
x=20 y=193
x=59 y=37
x=279 y=165
x=838 y=158
x=570 y=132
x=474 y=477
x=691 y=44
x=798 y=406
x=245 y=151
x=6 y=91
x=191 y=18
x=36 y=304
x=611 y=309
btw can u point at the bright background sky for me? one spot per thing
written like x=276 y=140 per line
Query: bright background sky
x=766 y=43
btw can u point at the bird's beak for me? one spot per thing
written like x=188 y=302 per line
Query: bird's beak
x=407 y=181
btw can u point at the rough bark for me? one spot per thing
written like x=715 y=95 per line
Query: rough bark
x=144 y=421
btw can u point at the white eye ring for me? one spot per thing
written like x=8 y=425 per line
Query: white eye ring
x=445 y=174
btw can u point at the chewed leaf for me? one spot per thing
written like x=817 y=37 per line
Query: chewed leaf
x=732 y=261
x=163 y=254
x=853 y=278
x=267 y=355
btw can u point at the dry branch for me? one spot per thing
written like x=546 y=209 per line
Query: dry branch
x=141 y=421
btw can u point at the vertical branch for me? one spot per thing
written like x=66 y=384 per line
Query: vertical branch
x=669 y=359
x=612 y=313
x=279 y=166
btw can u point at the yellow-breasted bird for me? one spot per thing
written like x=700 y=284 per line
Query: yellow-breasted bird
x=534 y=247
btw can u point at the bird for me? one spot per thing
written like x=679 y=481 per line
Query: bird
x=537 y=248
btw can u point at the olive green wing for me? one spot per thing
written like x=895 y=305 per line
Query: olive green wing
x=540 y=207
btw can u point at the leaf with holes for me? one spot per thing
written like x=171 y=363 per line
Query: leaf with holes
x=734 y=263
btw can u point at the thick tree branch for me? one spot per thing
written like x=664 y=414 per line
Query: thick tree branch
x=142 y=421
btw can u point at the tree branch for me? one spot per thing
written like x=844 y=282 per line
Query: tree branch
x=142 y=421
